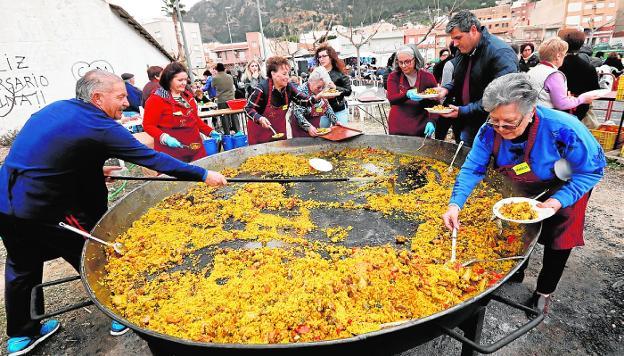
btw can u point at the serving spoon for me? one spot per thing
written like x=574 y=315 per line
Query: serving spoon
x=475 y=260
x=117 y=246
x=450 y=168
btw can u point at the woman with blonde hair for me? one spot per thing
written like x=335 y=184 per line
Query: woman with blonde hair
x=552 y=83
x=252 y=76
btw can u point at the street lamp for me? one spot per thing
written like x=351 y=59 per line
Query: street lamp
x=227 y=19
x=261 y=31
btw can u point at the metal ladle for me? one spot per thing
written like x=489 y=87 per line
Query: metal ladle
x=275 y=134
x=117 y=246
x=450 y=168
x=475 y=260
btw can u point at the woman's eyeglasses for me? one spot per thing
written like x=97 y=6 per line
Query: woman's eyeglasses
x=405 y=63
x=507 y=127
x=322 y=56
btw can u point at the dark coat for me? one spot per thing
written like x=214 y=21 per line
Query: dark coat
x=524 y=66
x=581 y=77
x=492 y=58
x=343 y=84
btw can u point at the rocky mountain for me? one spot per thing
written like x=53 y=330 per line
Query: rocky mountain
x=288 y=18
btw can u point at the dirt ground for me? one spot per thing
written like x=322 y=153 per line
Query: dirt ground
x=587 y=317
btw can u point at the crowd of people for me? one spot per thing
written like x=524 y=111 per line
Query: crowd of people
x=521 y=110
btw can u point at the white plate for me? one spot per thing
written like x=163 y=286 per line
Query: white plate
x=542 y=213
x=428 y=96
x=445 y=111
x=330 y=95
x=321 y=164
x=598 y=92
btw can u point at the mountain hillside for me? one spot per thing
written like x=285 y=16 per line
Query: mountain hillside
x=291 y=17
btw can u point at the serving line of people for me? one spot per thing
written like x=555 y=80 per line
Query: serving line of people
x=55 y=172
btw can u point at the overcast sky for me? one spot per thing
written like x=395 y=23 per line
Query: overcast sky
x=144 y=10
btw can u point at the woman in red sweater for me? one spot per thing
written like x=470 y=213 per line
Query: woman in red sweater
x=171 y=117
x=407 y=112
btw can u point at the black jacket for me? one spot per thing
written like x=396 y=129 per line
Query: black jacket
x=492 y=58
x=524 y=66
x=343 y=84
x=581 y=77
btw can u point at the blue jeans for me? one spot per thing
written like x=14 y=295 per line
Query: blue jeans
x=343 y=116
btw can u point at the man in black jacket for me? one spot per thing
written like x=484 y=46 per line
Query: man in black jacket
x=482 y=58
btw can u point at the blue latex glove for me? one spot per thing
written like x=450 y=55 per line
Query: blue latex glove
x=215 y=135
x=412 y=95
x=429 y=129
x=239 y=133
x=170 y=141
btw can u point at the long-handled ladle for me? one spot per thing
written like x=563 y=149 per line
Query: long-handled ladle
x=117 y=246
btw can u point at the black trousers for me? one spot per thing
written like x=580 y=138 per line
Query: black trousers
x=29 y=244
x=228 y=122
x=553 y=264
x=442 y=126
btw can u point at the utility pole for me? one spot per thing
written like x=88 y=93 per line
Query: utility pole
x=186 y=51
x=227 y=19
x=261 y=31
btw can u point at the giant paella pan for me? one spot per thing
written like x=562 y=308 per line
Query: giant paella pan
x=306 y=267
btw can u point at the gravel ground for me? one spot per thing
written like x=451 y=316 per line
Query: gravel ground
x=587 y=317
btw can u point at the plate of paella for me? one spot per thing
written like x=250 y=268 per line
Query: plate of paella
x=521 y=210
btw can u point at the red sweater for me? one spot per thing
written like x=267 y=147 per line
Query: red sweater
x=159 y=110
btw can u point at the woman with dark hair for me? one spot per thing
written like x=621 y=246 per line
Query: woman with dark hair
x=528 y=57
x=171 y=117
x=445 y=56
x=613 y=60
x=327 y=57
x=268 y=103
x=407 y=111
x=580 y=75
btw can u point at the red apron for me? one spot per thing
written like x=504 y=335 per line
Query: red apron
x=316 y=112
x=277 y=116
x=562 y=231
x=409 y=117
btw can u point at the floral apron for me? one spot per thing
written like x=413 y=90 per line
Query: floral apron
x=314 y=119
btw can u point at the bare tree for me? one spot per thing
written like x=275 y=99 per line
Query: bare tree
x=356 y=36
x=436 y=16
x=324 y=37
x=169 y=9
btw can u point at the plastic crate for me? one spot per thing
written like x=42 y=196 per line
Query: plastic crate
x=605 y=135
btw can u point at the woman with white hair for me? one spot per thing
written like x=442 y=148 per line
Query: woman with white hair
x=306 y=120
x=525 y=140
x=407 y=111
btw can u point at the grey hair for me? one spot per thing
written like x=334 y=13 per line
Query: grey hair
x=513 y=88
x=412 y=51
x=463 y=20
x=319 y=73
x=93 y=80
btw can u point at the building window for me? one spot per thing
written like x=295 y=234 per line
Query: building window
x=599 y=5
x=598 y=18
x=573 y=20
x=611 y=4
x=575 y=6
x=241 y=55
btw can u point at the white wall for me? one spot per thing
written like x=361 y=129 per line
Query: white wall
x=45 y=46
x=163 y=32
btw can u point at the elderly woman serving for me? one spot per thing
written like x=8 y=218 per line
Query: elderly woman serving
x=525 y=141
x=306 y=120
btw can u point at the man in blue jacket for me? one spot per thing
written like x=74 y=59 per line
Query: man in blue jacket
x=482 y=58
x=55 y=172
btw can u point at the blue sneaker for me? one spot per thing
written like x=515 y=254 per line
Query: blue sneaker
x=22 y=345
x=118 y=329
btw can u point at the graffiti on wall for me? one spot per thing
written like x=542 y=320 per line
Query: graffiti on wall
x=20 y=85
x=79 y=68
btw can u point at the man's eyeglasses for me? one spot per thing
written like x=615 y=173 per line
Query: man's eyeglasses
x=405 y=63
x=507 y=127
x=322 y=56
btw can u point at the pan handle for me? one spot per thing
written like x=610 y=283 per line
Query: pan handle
x=506 y=340
x=33 y=293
